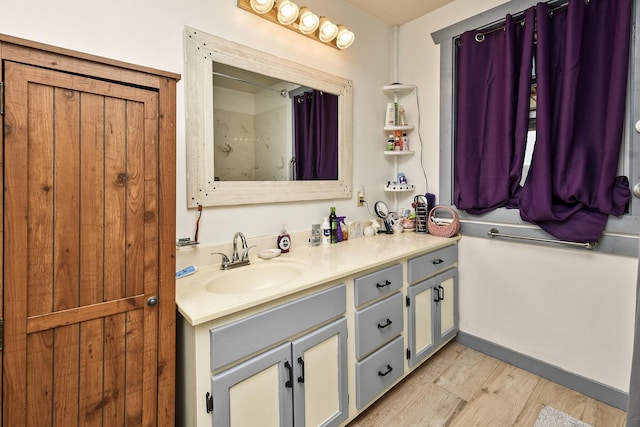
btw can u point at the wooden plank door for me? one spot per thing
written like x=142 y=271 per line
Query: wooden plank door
x=81 y=250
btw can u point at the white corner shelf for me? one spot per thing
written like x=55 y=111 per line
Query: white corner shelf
x=394 y=128
x=397 y=91
x=400 y=89
x=399 y=188
x=399 y=153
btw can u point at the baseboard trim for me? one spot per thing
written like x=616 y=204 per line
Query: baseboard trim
x=594 y=389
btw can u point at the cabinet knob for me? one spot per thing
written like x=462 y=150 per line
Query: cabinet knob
x=289 y=368
x=383 y=285
x=152 y=300
x=385 y=373
x=389 y=322
x=438 y=293
x=301 y=363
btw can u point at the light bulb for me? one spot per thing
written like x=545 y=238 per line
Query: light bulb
x=309 y=21
x=287 y=12
x=328 y=30
x=345 y=37
x=262 y=6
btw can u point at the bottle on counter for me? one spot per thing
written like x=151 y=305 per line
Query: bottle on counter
x=343 y=228
x=339 y=235
x=316 y=235
x=333 y=221
x=326 y=231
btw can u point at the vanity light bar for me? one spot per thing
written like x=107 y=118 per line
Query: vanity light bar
x=338 y=36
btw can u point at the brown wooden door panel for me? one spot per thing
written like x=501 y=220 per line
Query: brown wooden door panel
x=94 y=369
x=81 y=244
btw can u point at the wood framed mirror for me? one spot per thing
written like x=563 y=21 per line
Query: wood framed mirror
x=204 y=185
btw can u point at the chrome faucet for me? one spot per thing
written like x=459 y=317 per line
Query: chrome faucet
x=245 y=249
x=236 y=259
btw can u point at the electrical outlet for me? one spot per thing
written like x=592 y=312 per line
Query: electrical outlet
x=360 y=198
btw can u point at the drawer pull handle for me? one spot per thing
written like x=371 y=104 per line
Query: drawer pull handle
x=289 y=383
x=387 y=372
x=301 y=363
x=441 y=292
x=389 y=322
x=384 y=285
x=437 y=261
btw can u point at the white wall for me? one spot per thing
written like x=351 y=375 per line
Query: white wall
x=570 y=308
x=149 y=32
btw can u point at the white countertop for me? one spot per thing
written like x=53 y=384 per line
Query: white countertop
x=319 y=265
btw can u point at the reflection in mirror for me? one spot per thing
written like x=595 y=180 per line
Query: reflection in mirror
x=267 y=129
x=224 y=166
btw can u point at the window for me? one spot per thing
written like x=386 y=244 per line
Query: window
x=621 y=234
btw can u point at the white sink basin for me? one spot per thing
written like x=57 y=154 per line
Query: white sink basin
x=254 y=277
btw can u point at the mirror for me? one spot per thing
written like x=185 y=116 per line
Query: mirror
x=267 y=129
x=208 y=183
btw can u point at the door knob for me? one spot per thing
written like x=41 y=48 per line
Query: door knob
x=151 y=301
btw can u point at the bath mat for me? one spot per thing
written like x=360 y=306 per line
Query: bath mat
x=551 y=417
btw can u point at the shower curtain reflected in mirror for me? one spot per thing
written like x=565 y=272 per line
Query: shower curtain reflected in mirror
x=316 y=151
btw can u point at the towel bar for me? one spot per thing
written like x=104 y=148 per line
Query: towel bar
x=494 y=232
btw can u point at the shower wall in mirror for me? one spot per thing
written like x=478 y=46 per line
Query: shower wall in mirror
x=252 y=126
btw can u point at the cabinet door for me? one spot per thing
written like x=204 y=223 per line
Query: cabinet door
x=255 y=393
x=81 y=222
x=320 y=376
x=421 y=299
x=447 y=305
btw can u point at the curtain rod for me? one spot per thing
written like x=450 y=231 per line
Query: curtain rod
x=283 y=92
x=519 y=20
x=494 y=232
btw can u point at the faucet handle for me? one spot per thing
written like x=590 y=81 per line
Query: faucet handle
x=225 y=259
x=245 y=252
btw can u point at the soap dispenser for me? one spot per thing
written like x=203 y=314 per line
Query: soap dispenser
x=284 y=240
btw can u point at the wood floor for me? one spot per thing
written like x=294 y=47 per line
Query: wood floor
x=461 y=387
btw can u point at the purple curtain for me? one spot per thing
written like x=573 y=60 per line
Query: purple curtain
x=494 y=82
x=581 y=68
x=316 y=135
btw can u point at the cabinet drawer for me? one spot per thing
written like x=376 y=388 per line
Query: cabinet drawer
x=379 y=371
x=244 y=337
x=376 y=284
x=429 y=264
x=378 y=324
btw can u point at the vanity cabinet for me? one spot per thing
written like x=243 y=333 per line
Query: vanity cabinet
x=432 y=303
x=324 y=352
x=300 y=382
x=378 y=332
